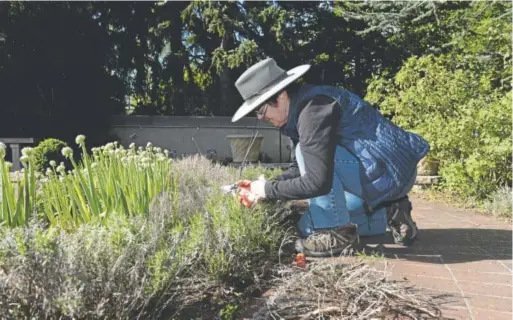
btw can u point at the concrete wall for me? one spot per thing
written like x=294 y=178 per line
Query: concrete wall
x=208 y=132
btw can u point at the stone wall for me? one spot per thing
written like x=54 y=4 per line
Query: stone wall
x=209 y=133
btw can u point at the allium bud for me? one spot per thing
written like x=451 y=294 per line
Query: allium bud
x=67 y=152
x=80 y=139
x=26 y=151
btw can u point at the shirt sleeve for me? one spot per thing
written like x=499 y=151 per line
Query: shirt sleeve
x=317 y=128
x=293 y=169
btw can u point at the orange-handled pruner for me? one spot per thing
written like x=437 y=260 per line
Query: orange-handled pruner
x=233 y=188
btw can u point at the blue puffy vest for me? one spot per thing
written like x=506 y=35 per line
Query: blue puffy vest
x=388 y=154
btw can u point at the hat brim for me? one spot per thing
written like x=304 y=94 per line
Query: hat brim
x=293 y=74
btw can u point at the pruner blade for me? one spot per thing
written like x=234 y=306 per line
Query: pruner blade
x=229 y=188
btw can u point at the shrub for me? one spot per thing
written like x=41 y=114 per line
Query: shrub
x=499 y=203
x=46 y=151
x=466 y=121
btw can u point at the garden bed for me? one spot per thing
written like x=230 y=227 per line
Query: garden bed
x=130 y=233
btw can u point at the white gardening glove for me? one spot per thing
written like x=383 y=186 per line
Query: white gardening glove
x=257 y=188
x=253 y=191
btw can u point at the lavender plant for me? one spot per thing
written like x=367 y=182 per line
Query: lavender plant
x=132 y=234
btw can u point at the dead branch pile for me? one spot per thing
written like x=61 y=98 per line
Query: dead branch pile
x=336 y=290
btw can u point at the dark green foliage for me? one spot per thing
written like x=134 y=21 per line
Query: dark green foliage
x=65 y=67
x=53 y=77
x=46 y=151
x=460 y=101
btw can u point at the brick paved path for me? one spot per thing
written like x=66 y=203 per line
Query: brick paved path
x=459 y=253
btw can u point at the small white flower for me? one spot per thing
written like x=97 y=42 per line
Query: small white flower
x=149 y=145
x=48 y=171
x=53 y=163
x=80 y=139
x=61 y=169
x=24 y=159
x=132 y=146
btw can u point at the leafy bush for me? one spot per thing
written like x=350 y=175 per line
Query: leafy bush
x=194 y=246
x=46 y=151
x=465 y=119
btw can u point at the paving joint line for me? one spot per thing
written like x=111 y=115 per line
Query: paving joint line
x=507 y=312
x=460 y=281
x=467 y=303
x=490 y=255
x=459 y=219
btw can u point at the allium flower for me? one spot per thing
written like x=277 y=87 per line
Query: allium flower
x=80 y=139
x=67 y=152
x=61 y=169
x=27 y=151
x=53 y=163
x=132 y=146
x=24 y=159
x=109 y=146
x=48 y=171
x=149 y=145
